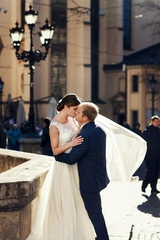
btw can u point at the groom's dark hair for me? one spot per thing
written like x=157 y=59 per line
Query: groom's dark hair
x=90 y=110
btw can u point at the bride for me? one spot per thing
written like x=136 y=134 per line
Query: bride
x=61 y=214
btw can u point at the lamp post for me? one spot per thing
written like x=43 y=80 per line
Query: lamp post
x=31 y=56
x=1 y=88
x=153 y=85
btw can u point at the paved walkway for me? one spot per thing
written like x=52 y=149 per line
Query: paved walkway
x=142 y=221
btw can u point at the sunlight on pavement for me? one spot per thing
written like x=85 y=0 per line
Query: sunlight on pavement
x=130 y=213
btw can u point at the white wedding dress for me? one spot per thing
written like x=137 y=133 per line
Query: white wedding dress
x=61 y=214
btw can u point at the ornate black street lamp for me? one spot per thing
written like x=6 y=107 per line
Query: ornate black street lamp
x=1 y=88
x=32 y=56
x=153 y=85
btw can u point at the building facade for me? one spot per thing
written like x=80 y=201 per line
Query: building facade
x=92 y=54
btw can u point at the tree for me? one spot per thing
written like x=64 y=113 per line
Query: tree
x=152 y=6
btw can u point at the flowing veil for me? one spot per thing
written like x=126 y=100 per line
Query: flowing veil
x=125 y=151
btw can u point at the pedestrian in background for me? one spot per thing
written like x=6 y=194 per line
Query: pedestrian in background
x=136 y=128
x=126 y=125
x=23 y=128
x=3 y=137
x=45 y=143
x=14 y=135
x=152 y=159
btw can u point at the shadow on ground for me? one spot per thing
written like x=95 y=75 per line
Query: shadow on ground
x=151 y=206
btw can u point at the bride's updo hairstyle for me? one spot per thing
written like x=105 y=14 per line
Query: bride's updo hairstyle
x=70 y=100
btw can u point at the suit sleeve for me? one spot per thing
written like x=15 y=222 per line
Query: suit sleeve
x=76 y=154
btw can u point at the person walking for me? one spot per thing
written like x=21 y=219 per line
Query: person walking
x=152 y=159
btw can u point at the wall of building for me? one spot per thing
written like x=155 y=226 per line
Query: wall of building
x=136 y=101
x=141 y=101
x=111 y=45
x=11 y=70
x=15 y=74
x=43 y=68
x=79 y=51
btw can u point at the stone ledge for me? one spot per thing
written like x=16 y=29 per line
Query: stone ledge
x=30 y=140
x=21 y=184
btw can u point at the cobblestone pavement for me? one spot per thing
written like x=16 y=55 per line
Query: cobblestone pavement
x=145 y=216
x=142 y=221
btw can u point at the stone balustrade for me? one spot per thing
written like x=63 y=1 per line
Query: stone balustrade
x=21 y=177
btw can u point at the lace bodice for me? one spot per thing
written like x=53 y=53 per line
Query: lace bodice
x=66 y=132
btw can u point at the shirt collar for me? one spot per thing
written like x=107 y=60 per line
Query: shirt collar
x=83 y=125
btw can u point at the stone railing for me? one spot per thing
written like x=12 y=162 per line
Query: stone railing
x=22 y=175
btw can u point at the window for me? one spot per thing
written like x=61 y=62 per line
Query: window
x=58 y=55
x=134 y=83
x=127 y=24
x=134 y=116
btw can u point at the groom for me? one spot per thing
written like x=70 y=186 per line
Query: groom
x=91 y=159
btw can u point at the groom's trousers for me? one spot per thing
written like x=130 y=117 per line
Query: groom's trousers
x=92 y=202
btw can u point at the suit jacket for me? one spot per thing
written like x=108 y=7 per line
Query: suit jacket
x=152 y=136
x=91 y=158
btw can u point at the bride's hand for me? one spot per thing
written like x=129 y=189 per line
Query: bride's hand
x=76 y=141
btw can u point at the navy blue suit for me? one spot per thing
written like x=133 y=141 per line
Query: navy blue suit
x=91 y=159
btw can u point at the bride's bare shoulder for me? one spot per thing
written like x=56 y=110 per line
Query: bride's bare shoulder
x=55 y=120
x=54 y=123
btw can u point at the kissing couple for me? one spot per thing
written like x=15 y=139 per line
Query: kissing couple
x=69 y=206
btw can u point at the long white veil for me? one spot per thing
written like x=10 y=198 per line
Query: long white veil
x=125 y=150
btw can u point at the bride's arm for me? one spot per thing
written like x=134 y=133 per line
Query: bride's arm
x=54 y=138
